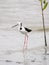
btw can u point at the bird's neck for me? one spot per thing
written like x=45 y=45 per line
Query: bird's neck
x=19 y=27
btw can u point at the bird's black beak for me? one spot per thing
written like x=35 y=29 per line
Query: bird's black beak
x=14 y=26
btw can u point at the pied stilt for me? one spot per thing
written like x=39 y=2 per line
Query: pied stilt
x=25 y=31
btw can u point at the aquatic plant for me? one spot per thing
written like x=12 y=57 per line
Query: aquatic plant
x=44 y=5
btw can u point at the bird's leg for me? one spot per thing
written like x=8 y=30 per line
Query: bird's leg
x=26 y=41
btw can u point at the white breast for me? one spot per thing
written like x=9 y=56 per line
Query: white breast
x=23 y=30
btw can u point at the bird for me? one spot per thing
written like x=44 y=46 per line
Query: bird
x=25 y=31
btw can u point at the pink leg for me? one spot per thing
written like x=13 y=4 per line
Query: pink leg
x=25 y=42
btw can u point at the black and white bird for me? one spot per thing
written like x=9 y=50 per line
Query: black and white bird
x=24 y=31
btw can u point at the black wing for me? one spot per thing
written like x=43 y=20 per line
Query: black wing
x=28 y=30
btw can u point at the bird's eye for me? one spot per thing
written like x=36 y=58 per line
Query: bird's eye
x=20 y=28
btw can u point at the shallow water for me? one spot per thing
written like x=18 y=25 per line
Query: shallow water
x=11 y=41
x=11 y=48
x=28 y=12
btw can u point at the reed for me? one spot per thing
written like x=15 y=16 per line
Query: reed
x=44 y=4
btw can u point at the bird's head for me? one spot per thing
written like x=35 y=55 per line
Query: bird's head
x=19 y=23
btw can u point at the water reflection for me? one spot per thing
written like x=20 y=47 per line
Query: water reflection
x=45 y=61
x=38 y=59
